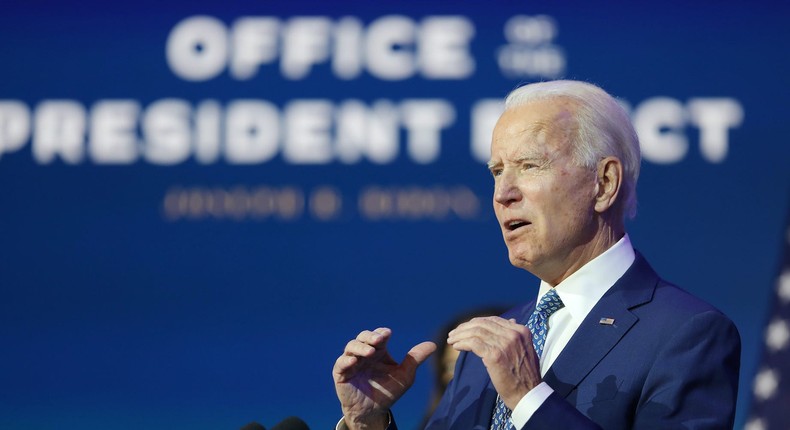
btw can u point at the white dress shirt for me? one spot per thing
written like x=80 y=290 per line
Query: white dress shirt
x=579 y=292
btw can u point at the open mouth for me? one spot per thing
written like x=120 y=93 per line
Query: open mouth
x=515 y=224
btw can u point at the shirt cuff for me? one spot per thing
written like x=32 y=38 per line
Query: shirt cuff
x=341 y=425
x=528 y=404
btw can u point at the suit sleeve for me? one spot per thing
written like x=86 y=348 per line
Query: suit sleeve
x=557 y=413
x=445 y=409
x=693 y=383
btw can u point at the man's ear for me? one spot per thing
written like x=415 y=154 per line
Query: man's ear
x=609 y=181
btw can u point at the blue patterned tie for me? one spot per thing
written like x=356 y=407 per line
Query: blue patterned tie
x=538 y=325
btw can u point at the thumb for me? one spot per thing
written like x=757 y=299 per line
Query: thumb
x=417 y=356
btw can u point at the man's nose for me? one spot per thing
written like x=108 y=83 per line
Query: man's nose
x=506 y=190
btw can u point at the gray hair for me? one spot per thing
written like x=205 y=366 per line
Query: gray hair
x=603 y=128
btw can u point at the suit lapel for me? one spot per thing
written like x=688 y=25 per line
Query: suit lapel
x=592 y=341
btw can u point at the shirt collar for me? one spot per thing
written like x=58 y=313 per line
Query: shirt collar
x=582 y=289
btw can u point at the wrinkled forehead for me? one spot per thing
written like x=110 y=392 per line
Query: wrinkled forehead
x=538 y=125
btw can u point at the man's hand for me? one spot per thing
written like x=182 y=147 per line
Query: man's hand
x=368 y=381
x=507 y=352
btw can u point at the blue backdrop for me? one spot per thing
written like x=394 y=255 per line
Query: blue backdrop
x=203 y=201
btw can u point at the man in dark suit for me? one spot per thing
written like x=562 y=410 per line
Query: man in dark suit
x=607 y=344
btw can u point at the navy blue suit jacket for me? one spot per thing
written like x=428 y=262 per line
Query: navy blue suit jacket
x=669 y=361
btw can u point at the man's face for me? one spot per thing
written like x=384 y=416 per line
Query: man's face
x=543 y=200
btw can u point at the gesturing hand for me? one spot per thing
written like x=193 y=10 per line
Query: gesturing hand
x=507 y=352
x=368 y=381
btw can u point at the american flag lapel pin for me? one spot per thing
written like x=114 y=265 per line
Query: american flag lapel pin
x=606 y=321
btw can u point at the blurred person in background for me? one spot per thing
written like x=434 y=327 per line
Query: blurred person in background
x=445 y=357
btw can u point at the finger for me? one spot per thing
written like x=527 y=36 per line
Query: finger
x=479 y=321
x=478 y=327
x=366 y=342
x=357 y=348
x=417 y=355
x=488 y=337
x=487 y=327
x=474 y=345
x=421 y=352
x=510 y=324
x=377 y=337
x=344 y=368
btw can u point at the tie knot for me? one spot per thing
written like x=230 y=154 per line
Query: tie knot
x=549 y=303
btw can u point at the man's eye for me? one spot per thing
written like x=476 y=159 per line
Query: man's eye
x=496 y=172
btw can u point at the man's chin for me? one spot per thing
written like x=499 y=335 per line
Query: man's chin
x=518 y=259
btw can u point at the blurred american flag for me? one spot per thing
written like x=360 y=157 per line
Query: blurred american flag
x=771 y=388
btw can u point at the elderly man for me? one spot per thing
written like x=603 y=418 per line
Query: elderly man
x=607 y=343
